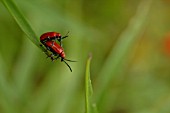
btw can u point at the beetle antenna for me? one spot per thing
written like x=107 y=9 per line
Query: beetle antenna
x=67 y=65
x=65 y=35
x=70 y=60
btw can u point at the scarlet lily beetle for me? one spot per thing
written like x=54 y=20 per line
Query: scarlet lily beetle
x=58 y=51
x=51 y=36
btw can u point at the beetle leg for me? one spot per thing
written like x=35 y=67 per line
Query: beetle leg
x=52 y=55
x=57 y=57
x=60 y=44
x=48 y=48
x=45 y=49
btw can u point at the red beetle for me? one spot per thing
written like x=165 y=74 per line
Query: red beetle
x=58 y=51
x=51 y=36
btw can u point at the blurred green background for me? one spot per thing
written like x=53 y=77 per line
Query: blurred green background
x=130 y=44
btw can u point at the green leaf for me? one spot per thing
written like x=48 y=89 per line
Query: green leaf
x=90 y=107
x=22 y=22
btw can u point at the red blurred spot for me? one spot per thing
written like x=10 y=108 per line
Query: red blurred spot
x=167 y=45
x=166 y=1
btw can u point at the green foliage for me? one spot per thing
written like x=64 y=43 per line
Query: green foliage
x=124 y=44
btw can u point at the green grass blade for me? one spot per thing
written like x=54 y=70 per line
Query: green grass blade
x=22 y=22
x=123 y=46
x=90 y=107
x=88 y=87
